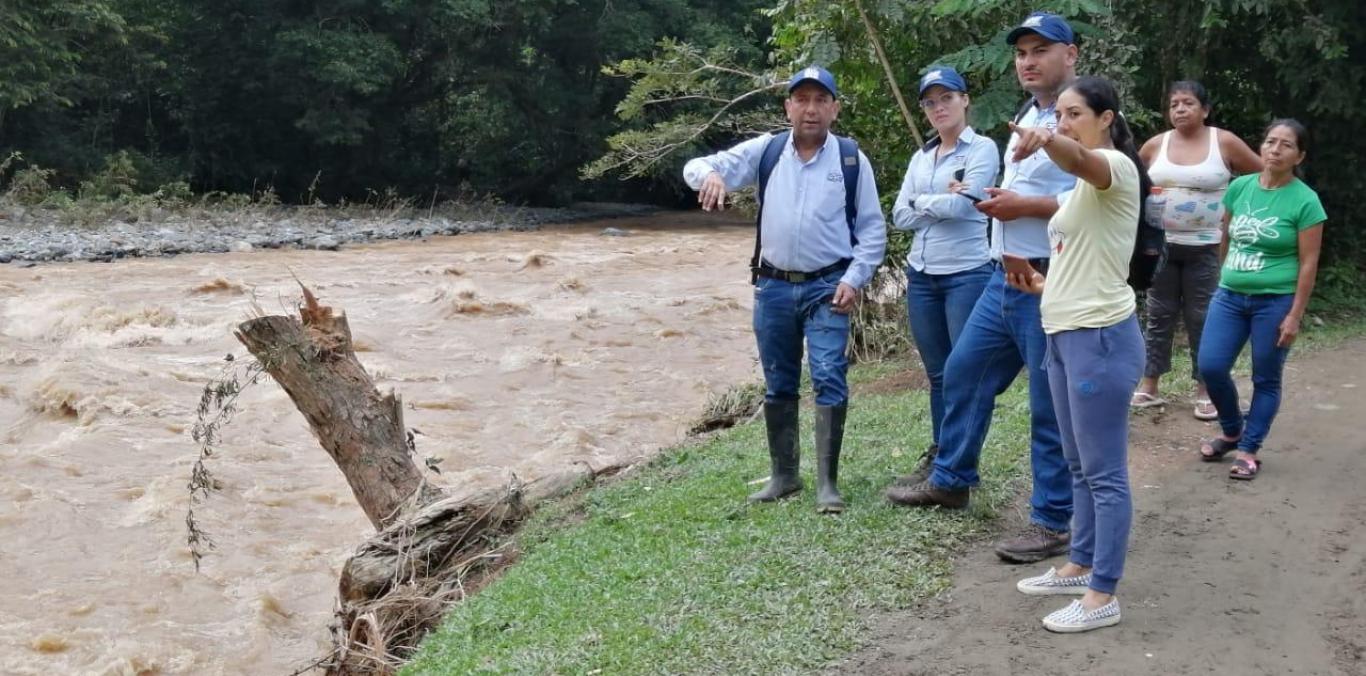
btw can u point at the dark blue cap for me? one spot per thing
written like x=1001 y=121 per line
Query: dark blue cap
x=943 y=76
x=815 y=74
x=1046 y=25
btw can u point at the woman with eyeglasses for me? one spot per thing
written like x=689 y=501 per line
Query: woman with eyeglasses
x=949 y=262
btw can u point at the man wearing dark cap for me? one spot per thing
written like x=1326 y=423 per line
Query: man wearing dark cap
x=821 y=235
x=1005 y=331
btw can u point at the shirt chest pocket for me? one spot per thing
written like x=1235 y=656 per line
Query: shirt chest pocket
x=827 y=205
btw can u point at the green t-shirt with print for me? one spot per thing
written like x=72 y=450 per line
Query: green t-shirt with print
x=1263 y=234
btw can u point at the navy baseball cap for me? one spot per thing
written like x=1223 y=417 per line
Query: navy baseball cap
x=1046 y=25
x=944 y=76
x=815 y=74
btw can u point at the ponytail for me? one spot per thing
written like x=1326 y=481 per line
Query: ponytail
x=1100 y=96
x=1123 y=138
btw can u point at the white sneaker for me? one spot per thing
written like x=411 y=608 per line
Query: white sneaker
x=1075 y=618
x=1051 y=583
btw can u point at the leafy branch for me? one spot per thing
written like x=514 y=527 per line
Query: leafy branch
x=217 y=405
x=707 y=92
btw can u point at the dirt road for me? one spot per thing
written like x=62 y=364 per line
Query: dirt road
x=1223 y=577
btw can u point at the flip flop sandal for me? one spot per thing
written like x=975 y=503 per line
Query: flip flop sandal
x=1218 y=447
x=1244 y=470
x=1145 y=400
x=1204 y=410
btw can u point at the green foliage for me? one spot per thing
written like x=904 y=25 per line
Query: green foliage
x=1260 y=59
x=688 y=96
x=30 y=186
x=453 y=96
x=118 y=179
x=42 y=45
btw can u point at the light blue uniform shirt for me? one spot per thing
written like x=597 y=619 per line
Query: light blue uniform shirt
x=1034 y=176
x=950 y=233
x=803 y=222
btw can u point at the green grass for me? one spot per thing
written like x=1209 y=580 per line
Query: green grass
x=670 y=571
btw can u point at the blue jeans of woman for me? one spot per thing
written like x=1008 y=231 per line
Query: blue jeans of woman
x=1091 y=373
x=937 y=307
x=1234 y=319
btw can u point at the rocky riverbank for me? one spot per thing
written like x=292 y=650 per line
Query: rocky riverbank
x=30 y=236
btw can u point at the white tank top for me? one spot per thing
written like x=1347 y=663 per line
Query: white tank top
x=1193 y=193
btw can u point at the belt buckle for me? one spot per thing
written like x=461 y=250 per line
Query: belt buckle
x=798 y=277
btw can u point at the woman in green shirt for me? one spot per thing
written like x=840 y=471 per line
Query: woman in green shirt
x=1270 y=254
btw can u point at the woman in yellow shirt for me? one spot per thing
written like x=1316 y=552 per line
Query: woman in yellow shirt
x=1095 y=349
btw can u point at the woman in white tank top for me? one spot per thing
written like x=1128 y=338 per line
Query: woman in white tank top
x=1190 y=167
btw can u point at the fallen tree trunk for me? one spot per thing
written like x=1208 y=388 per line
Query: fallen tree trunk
x=399 y=583
x=312 y=358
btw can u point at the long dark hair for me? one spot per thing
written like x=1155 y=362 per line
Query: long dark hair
x=1100 y=96
x=1194 y=89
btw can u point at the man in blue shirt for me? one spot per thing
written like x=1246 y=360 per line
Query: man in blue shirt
x=1005 y=332
x=812 y=264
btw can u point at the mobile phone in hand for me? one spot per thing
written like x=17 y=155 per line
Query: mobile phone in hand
x=1018 y=265
x=958 y=176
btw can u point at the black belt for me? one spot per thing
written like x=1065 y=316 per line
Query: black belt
x=766 y=270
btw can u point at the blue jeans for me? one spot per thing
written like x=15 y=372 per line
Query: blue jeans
x=1232 y=319
x=938 y=307
x=1003 y=334
x=784 y=314
x=1092 y=373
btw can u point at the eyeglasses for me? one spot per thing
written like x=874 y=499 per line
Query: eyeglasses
x=930 y=103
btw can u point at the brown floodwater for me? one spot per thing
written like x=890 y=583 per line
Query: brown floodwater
x=526 y=353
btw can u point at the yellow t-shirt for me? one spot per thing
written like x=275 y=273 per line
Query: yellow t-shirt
x=1092 y=239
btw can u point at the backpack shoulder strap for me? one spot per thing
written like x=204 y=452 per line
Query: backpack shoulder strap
x=767 y=161
x=849 y=165
x=1019 y=114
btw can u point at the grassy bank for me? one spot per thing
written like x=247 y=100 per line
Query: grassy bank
x=669 y=571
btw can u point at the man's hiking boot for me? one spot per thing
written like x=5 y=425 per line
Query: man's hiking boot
x=922 y=468
x=1036 y=544
x=781 y=419
x=926 y=494
x=829 y=441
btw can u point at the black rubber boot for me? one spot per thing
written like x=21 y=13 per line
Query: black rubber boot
x=781 y=419
x=829 y=441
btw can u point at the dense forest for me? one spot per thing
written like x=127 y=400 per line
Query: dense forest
x=546 y=101
x=335 y=98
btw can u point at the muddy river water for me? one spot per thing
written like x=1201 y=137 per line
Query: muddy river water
x=524 y=352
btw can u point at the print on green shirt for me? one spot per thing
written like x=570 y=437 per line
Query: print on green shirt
x=1263 y=234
